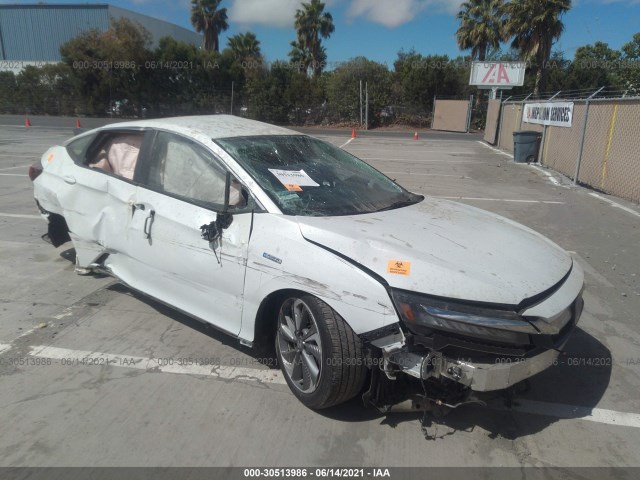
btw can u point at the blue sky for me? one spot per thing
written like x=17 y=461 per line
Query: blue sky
x=378 y=29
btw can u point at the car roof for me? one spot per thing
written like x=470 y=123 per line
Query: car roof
x=210 y=126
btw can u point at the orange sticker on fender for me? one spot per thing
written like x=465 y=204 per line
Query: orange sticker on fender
x=292 y=187
x=399 y=267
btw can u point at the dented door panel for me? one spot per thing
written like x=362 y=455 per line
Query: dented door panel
x=166 y=257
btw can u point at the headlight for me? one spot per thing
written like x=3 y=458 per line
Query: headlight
x=424 y=315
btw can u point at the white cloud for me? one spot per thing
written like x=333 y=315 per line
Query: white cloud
x=276 y=13
x=393 y=13
x=273 y=13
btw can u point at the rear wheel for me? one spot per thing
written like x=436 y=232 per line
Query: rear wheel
x=320 y=356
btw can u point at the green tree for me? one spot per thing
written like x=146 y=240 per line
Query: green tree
x=299 y=56
x=109 y=66
x=481 y=27
x=60 y=88
x=343 y=90
x=8 y=88
x=267 y=93
x=312 y=24
x=418 y=79
x=630 y=71
x=176 y=78
x=245 y=46
x=210 y=20
x=534 y=25
x=593 y=67
x=558 y=68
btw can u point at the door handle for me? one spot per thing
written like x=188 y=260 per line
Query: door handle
x=148 y=223
x=69 y=179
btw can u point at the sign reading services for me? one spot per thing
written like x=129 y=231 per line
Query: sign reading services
x=556 y=114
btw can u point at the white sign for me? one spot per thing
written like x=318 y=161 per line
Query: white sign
x=557 y=114
x=297 y=178
x=497 y=74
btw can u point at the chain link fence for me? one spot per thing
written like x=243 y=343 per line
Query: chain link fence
x=599 y=150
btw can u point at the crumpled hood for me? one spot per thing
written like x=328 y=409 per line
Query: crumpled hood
x=447 y=249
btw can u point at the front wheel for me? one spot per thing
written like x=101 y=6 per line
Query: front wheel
x=320 y=356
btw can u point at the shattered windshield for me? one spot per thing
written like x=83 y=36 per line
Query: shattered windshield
x=309 y=177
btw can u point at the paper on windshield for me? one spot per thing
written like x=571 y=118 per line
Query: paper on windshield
x=294 y=179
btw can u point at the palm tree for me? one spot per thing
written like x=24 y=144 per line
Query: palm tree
x=534 y=25
x=313 y=24
x=207 y=18
x=481 y=27
x=299 y=56
x=245 y=45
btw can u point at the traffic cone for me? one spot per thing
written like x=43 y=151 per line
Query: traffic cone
x=415 y=135
x=353 y=133
x=78 y=123
x=27 y=122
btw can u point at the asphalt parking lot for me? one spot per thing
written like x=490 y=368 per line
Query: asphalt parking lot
x=92 y=374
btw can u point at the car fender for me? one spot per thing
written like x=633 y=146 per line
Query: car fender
x=281 y=259
x=54 y=161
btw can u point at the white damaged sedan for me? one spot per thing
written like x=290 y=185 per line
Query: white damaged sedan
x=274 y=236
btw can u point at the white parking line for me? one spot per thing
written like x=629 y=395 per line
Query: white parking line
x=443 y=151
x=615 y=205
x=426 y=174
x=75 y=357
x=557 y=183
x=560 y=410
x=413 y=160
x=549 y=176
x=43 y=127
x=14 y=168
x=17 y=215
x=13 y=175
x=4 y=347
x=495 y=149
x=347 y=143
x=514 y=200
x=82 y=357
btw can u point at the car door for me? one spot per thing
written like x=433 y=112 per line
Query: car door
x=97 y=192
x=167 y=256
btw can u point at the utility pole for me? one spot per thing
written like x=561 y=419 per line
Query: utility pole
x=232 y=98
x=366 y=96
x=360 y=103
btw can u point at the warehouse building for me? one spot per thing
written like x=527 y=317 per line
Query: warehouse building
x=31 y=34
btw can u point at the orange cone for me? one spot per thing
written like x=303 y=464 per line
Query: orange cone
x=27 y=122
x=78 y=123
x=353 y=133
x=415 y=135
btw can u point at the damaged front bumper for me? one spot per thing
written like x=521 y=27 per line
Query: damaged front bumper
x=479 y=376
x=478 y=366
x=448 y=366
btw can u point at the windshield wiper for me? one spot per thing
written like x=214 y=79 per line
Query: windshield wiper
x=402 y=203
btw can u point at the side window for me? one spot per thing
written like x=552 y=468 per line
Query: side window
x=78 y=148
x=186 y=169
x=116 y=153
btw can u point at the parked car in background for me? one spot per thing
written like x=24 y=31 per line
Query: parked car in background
x=275 y=236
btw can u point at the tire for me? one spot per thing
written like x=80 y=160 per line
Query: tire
x=320 y=356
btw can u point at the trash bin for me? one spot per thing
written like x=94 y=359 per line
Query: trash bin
x=526 y=145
